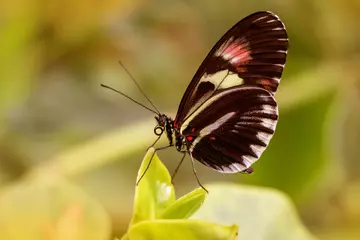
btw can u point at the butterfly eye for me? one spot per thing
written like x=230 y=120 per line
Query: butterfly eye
x=158 y=130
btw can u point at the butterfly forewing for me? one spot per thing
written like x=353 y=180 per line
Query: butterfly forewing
x=253 y=52
x=228 y=113
x=231 y=130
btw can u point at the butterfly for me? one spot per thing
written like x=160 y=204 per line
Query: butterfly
x=228 y=114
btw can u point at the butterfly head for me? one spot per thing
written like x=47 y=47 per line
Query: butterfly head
x=164 y=123
x=160 y=127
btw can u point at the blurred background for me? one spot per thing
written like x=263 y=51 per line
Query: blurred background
x=56 y=120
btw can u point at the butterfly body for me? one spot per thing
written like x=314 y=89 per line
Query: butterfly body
x=228 y=113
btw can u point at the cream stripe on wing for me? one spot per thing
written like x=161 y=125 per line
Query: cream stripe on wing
x=210 y=128
x=220 y=81
x=202 y=107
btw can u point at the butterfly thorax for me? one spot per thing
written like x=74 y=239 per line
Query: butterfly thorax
x=166 y=124
x=180 y=141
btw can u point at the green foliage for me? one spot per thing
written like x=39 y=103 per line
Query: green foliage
x=181 y=229
x=261 y=213
x=158 y=215
x=154 y=192
x=185 y=206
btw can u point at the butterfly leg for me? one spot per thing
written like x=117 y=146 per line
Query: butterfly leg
x=152 y=145
x=194 y=171
x=177 y=168
x=147 y=167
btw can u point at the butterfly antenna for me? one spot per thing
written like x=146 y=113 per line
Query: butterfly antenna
x=133 y=79
x=105 y=86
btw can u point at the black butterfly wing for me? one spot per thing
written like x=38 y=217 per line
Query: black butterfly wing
x=252 y=52
x=231 y=130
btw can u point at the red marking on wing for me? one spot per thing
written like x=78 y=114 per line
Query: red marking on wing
x=231 y=47
x=266 y=83
x=236 y=53
x=189 y=138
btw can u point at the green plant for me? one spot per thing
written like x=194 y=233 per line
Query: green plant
x=262 y=213
x=159 y=215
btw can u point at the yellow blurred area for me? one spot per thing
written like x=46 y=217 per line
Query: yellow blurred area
x=56 y=122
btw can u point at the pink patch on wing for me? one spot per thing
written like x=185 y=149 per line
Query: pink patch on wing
x=230 y=48
x=236 y=53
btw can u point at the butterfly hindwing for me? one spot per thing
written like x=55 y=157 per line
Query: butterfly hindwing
x=253 y=52
x=231 y=130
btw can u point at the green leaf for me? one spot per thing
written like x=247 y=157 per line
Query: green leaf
x=181 y=229
x=262 y=213
x=48 y=207
x=185 y=206
x=155 y=199
x=155 y=191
